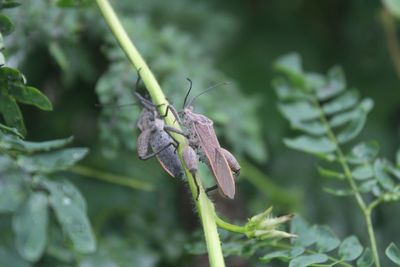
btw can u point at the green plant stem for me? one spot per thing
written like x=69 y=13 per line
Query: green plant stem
x=229 y=227
x=349 y=177
x=203 y=205
x=112 y=178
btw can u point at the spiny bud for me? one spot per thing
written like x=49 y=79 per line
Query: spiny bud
x=265 y=226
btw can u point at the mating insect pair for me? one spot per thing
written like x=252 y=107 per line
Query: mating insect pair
x=203 y=143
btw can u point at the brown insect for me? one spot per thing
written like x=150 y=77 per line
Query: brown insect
x=203 y=140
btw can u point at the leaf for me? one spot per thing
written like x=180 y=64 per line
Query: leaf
x=366 y=259
x=393 y=253
x=11 y=194
x=67 y=190
x=73 y=219
x=12 y=259
x=298 y=111
x=30 y=227
x=330 y=174
x=290 y=64
x=306 y=235
x=363 y=172
x=313 y=127
x=285 y=91
x=11 y=113
x=52 y=161
x=13 y=131
x=283 y=254
x=303 y=261
x=368 y=186
x=353 y=128
x=364 y=152
x=342 y=118
x=29 y=95
x=6 y=26
x=383 y=178
x=393 y=6
x=312 y=145
x=345 y=101
x=336 y=83
x=350 y=249
x=315 y=81
x=12 y=143
x=326 y=239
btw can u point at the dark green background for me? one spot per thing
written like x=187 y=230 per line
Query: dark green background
x=234 y=40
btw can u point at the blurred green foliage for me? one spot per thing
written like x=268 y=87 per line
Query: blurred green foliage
x=71 y=56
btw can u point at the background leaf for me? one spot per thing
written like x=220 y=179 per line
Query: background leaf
x=350 y=249
x=30 y=227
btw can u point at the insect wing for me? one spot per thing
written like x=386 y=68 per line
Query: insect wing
x=168 y=158
x=172 y=167
x=219 y=166
x=225 y=179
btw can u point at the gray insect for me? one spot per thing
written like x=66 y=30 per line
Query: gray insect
x=154 y=135
x=203 y=140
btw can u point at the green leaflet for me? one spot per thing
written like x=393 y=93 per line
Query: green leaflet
x=30 y=227
x=71 y=214
x=350 y=249
x=305 y=232
x=326 y=239
x=30 y=95
x=345 y=101
x=335 y=84
x=12 y=143
x=6 y=26
x=52 y=161
x=299 y=111
x=364 y=152
x=283 y=254
x=307 y=260
x=12 y=192
x=393 y=253
x=290 y=64
x=366 y=259
x=11 y=113
x=311 y=145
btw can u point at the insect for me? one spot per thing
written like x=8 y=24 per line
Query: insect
x=154 y=135
x=202 y=138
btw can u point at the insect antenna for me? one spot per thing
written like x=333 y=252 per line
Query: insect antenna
x=205 y=91
x=187 y=94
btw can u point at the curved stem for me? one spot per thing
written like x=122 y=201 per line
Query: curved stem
x=229 y=227
x=349 y=177
x=112 y=178
x=203 y=205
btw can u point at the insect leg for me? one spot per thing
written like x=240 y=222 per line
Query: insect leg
x=170 y=129
x=232 y=162
x=174 y=112
x=143 y=143
x=190 y=158
x=211 y=188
